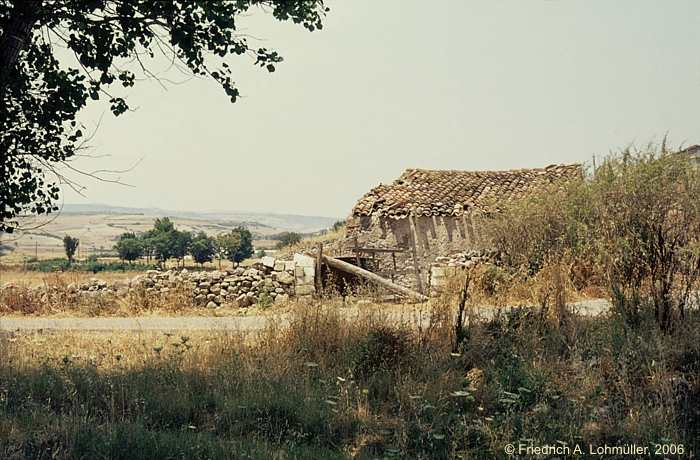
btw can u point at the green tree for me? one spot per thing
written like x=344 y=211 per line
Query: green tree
x=203 y=248
x=227 y=244
x=236 y=245
x=70 y=245
x=163 y=225
x=162 y=240
x=146 y=240
x=338 y=225
x=129 y=247
x=287 y=239
x=113 y=43
x=180 y=241
x=162 y=247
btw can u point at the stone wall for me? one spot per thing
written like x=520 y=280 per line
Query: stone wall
x=270 y=280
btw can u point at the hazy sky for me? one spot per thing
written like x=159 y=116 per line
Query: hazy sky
x=396 y=84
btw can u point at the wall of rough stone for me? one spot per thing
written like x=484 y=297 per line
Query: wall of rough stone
x=270 y=280
x=432 y=237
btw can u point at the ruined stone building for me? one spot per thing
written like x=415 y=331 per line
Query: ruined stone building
x=428 y=214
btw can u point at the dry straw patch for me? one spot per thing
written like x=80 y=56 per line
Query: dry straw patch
x=35 y=278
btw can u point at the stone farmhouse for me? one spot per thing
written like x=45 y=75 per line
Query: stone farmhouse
x=425 y=216
x=693 y=151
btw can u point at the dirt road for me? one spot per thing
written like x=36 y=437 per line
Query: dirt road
x=230 y=323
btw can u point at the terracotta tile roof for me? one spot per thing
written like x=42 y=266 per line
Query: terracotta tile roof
x=424 y=192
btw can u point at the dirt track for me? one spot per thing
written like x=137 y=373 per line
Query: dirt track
x=229 y=323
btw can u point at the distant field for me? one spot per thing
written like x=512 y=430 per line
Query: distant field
x=98 y=232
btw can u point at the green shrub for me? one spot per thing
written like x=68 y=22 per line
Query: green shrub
x=633 y=225
x=382 y=349
x=90 y=265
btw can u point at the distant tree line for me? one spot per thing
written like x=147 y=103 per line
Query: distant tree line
x=285 y=239
x=164 y=242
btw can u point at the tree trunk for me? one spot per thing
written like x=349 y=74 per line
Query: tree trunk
x=16 y=34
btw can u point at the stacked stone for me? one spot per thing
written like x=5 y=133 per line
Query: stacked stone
x=275 y=280
x=245 y=286
x=96 y=286
x=465 y=259
x=445 y=266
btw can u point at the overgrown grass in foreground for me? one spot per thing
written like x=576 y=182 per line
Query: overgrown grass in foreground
x=330 y=387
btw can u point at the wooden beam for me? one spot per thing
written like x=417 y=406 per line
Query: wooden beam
x=419 y=282
x=362 y=273
x=318 y=278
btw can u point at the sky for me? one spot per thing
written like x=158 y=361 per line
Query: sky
x=395 y=84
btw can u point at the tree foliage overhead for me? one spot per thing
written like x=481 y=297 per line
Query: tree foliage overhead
x=113 y=43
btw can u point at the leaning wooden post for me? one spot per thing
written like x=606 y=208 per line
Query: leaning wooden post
x=419 y=281
x=318 y=278
x=373 y=277
x=414 y=239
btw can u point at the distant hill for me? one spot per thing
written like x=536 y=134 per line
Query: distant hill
x=98 y=226
x=287 y=222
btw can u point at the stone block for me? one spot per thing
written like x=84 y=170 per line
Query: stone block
x=304 y=260
x=268 y=261
x=284 y=278
x=309 y=275
x=305 y=289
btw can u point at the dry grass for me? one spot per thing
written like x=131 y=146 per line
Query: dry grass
x=49 y=295
x=349 y=386
x=36 y=278
x=499 y=287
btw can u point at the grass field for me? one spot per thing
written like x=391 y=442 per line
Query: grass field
x=331 y=387
x=35 y=278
